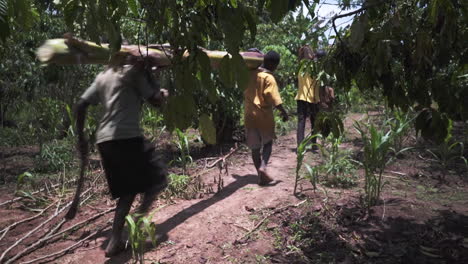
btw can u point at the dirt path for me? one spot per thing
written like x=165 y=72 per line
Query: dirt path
x=209 y=230
x=204 y=230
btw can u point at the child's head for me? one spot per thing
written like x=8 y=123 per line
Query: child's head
x=320 y=54
x=306 y=53
x=271 y=60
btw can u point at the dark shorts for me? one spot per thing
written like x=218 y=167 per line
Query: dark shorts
x=131 y=166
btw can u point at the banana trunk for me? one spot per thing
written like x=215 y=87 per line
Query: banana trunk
x=75 y=51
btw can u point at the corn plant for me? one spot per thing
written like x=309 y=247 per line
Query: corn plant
x=22 y=179
x=153 y=121
x=31 y=198
x=313 y=174
x=301 y=151
x=55 y=156
x=182 y=144
x=140 y=228
x=399 y=124
x=376 y=148
x=337 y=164
x=449 y=151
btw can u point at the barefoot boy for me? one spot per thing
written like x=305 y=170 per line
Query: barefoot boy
x=260 y=97
x=129 y=163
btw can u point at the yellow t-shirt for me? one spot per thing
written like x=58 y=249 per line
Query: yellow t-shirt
x=308 y=89
x=260 y=97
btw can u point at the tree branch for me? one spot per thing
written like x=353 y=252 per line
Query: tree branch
x=364 y=7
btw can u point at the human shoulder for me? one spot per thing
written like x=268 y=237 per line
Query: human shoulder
x=265 y=74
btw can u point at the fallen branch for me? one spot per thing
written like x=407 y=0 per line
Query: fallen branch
x=52 y=235
x=239 y=226
x=33 y=193
x=267 y=216
x=8 y=228
x=223 y=159
x=66 y=250
x=26 y=251
x=71 y=228
x=32 y=232
x=36 y=228
x=397 y=173
x=202 y=172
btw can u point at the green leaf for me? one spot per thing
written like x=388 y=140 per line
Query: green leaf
x=132 y=4
x=205 y=73
x=278 y=9
x=249 y=15
x=179 y=111
x=115 y=40
x=21 y=178
x=242 y=73
x=226 y=72
x=357 y=34
x=3 y=11
x=208 y=130
x=4 y=27
x=234 y=3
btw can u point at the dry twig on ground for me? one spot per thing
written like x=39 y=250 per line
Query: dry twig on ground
x=52 y=235
x=279 y=210
x=66 y=250
x=33 y=193
x=38 y=228
x=8 y=228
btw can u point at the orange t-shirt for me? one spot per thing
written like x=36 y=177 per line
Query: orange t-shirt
x=260 y=97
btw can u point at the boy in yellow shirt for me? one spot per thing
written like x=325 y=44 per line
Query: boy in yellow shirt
x=260 y=97
x=308 y=96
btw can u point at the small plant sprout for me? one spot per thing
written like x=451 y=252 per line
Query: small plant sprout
x=301 y=151
x=182 y=144
x=448 y=151
x=140 y=228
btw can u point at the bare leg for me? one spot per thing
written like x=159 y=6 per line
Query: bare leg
x=266 y=153
x=262 y=171
x=314 y=109
x=257 y=159
x=301 y=120
x=150 y=196
x=123 y=207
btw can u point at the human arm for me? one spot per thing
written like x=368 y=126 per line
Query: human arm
x=272 y=96
x=283 y=113
x=158 y=98
x=149 y=87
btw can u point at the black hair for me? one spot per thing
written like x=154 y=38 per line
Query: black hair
x=320 y=53
x=271 y=60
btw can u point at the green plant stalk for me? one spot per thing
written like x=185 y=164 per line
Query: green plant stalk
x=301 y=151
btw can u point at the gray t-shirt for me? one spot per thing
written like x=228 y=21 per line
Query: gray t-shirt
x=121 y=91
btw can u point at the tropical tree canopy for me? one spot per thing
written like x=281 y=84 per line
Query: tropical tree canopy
x=414 y=51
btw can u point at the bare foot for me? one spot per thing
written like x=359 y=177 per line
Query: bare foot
x=150 y=196
x=264 y=178
x=114 y=247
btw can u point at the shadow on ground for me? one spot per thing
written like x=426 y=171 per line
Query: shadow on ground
x=165 y=227
x=352 y=236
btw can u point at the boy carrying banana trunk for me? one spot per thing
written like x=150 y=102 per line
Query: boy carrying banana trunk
x=260 y=97
x=130 y=164
x=311 y=96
